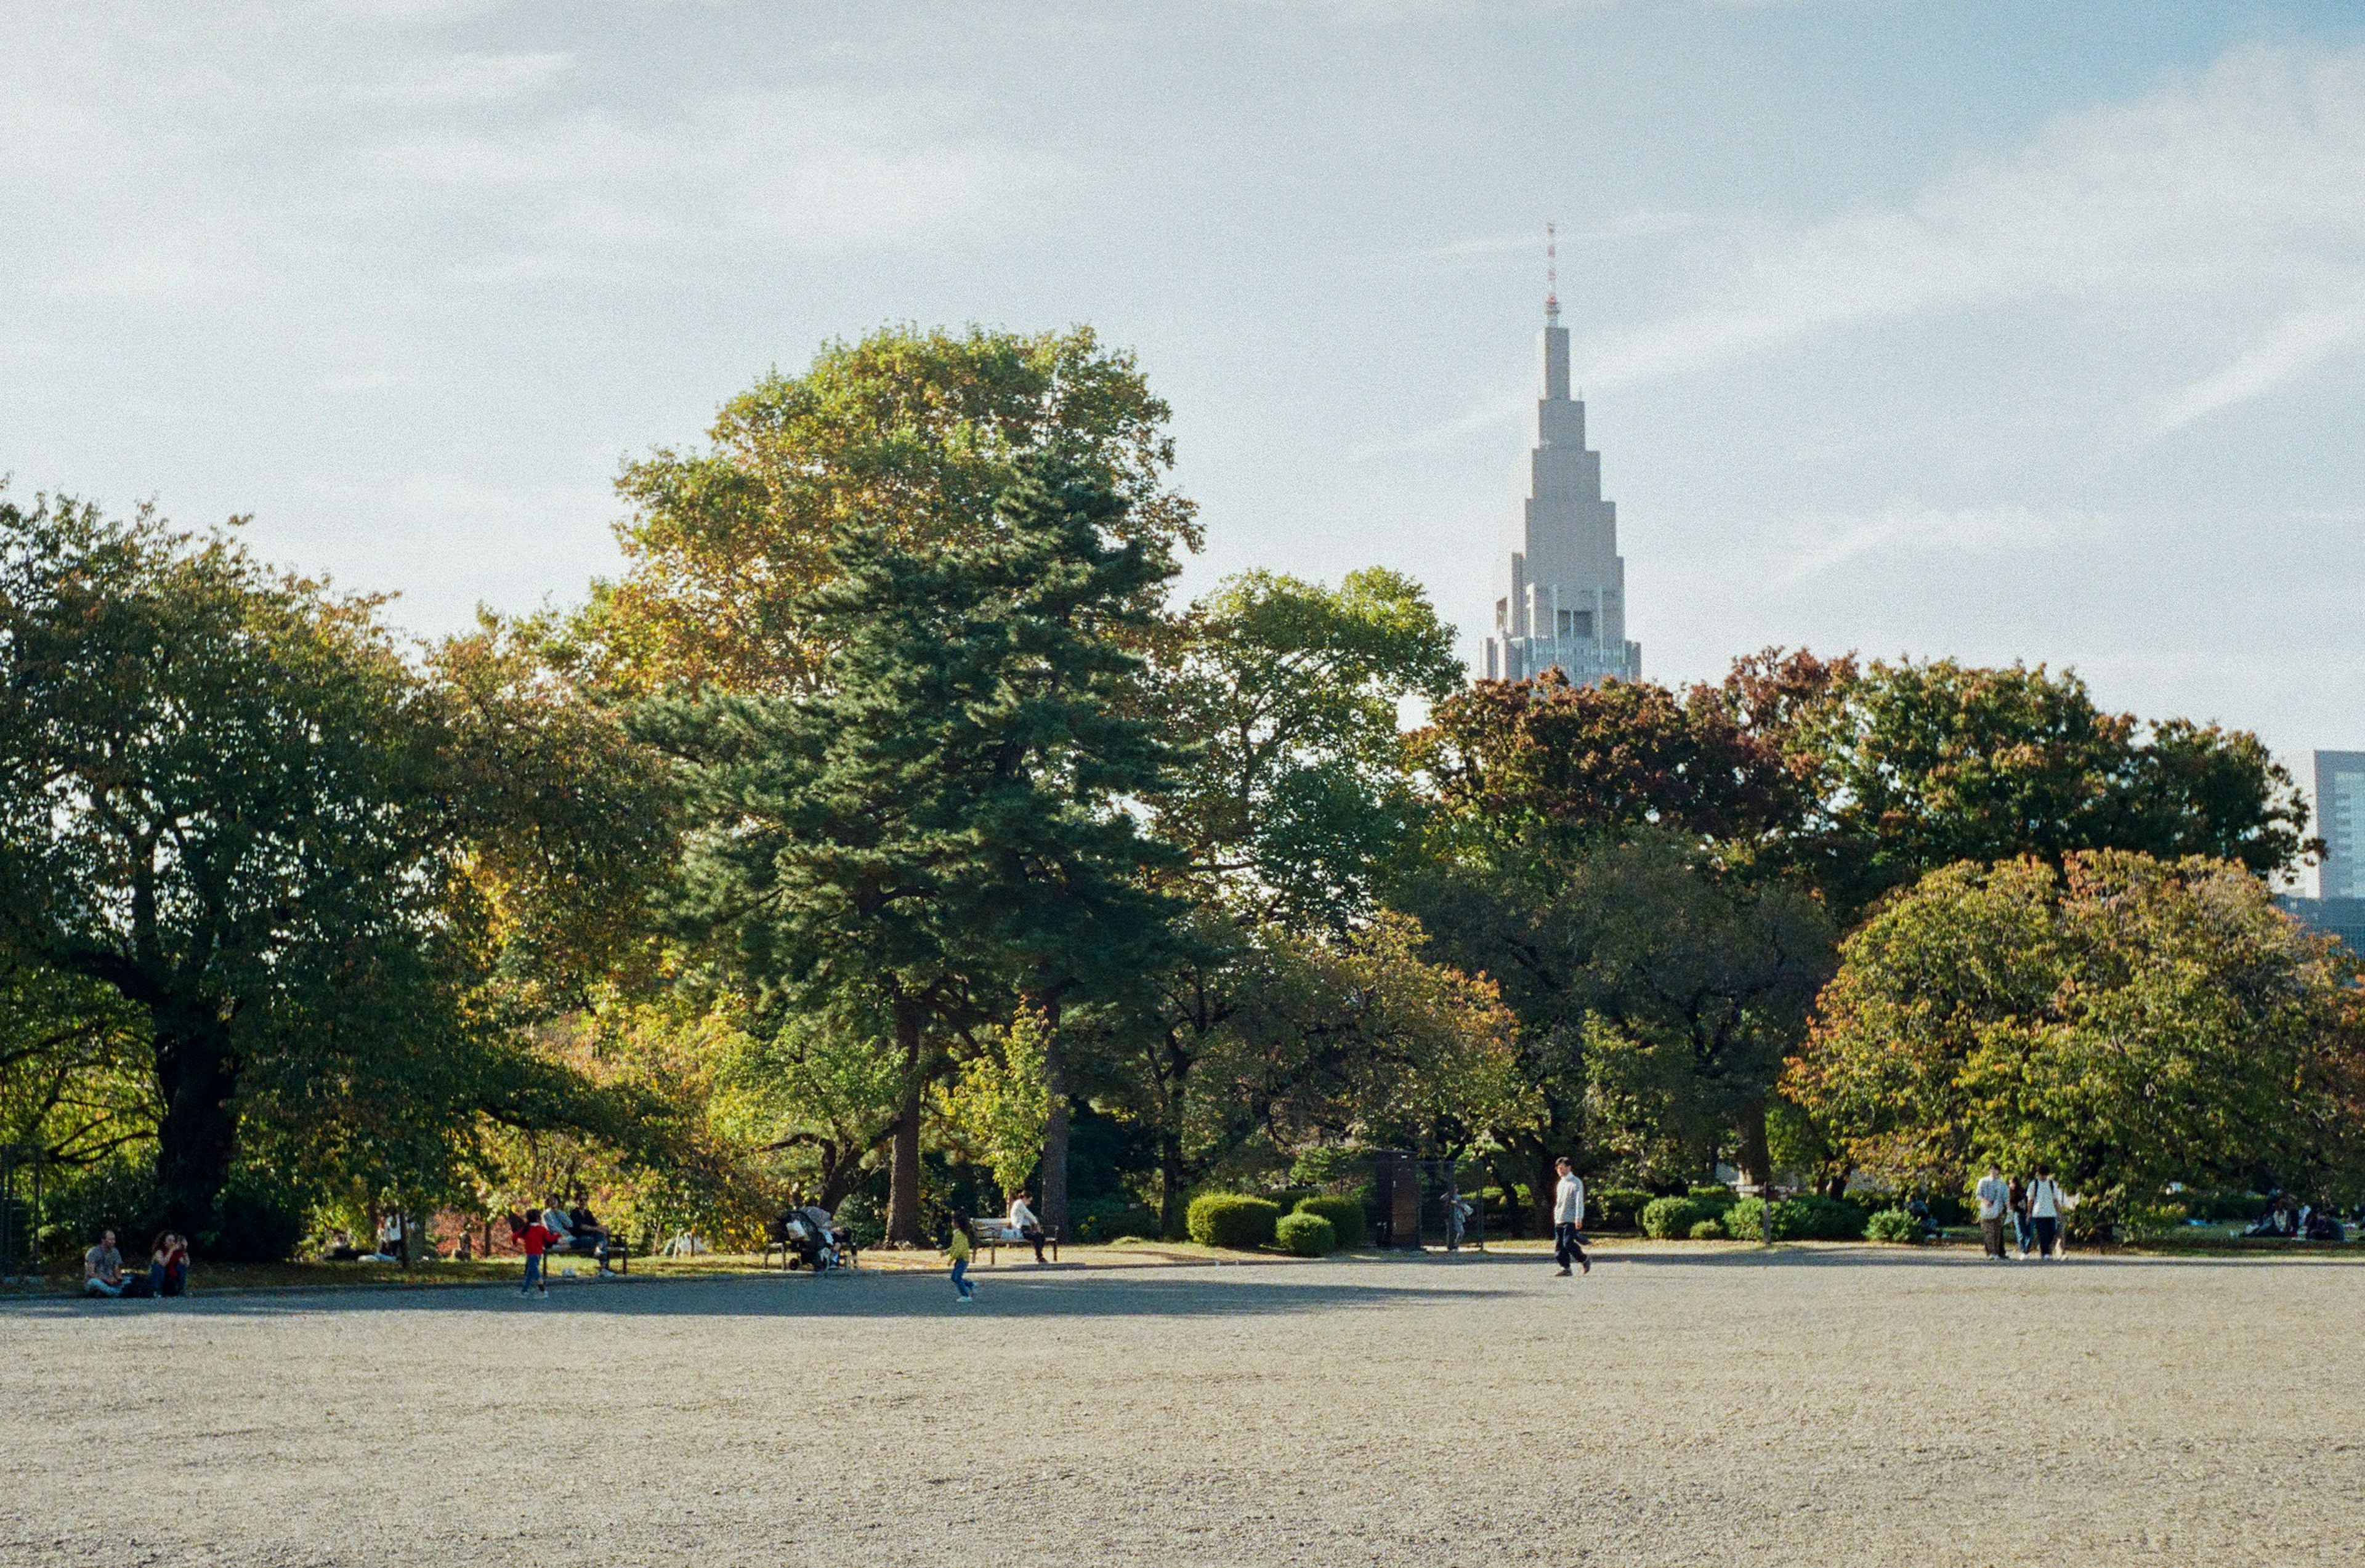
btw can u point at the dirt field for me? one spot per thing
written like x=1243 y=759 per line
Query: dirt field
x=1681 y=1405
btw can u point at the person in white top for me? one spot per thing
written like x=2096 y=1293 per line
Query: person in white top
x=1995 y=1199
x=1023 y=1222
x=1568 y=1220
x=2044 y=1211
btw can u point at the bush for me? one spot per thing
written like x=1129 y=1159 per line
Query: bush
x=1232 y=1220
x=1307 y=1235
x=1665 y=1217
x=1111 y=1219
x=1892 y=1225
x=1345 y=1215
x=257 y=1224
x=1617 y=1208
x=1804 y=1218
x=1714 y=1196
x=1708 y=1229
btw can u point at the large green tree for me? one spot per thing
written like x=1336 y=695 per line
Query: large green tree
x=913 y=434
x=934 y=832
x=228 y=800
x=2132 y=1021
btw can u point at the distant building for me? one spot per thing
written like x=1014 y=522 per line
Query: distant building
x=2344 y=918
x=1559 y=587
x=2340 y=820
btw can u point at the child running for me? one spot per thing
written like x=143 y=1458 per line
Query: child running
x=959 y=1249
x=535 y=1239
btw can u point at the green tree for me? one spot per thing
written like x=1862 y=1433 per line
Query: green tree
x=913 y=434
x=935 y=833
x=1288 y=692
x=2132 y=1021
x=228 y=800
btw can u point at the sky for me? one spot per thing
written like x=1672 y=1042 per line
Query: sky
x=1996 y=331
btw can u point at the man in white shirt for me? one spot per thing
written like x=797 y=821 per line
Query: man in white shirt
x=1023 y=1223
x=1995 y=1197
x=1568 y=1220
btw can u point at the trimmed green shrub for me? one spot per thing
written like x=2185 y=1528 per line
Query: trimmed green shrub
x=1617 y=1208
x=1307 y=1235
x=1708 y=1229
x=1667 y=1217
x=1345 y=1215
x=1232 y=1220
x=1112 y=1220
x=1714 y=1195
x=1812 y=1217
x=1892 y=1225
x=1804 y=1218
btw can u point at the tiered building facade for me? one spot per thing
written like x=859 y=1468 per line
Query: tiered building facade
x=1559 y=596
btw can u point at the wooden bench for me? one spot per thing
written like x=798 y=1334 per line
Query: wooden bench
x=993 y=1234
x=620 y=1252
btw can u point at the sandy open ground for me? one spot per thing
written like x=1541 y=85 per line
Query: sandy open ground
x=1681 y=1405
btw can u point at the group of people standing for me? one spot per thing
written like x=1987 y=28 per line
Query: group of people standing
x=2032 y=1208
x=168 y=1267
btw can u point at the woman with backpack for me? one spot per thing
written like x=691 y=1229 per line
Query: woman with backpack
x=2044 y=1211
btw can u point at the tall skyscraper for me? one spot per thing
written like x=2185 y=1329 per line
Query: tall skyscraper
x=1560 y=587
x=2340 y=822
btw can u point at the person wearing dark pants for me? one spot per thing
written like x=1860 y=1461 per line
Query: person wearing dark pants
x=1568 y=1220
x=2045 y=1211
x=1995 y=1202
x=1025 y=1224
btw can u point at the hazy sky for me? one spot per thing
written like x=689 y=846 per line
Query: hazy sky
x=1999 y=330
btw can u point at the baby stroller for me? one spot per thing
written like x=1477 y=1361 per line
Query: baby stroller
x=816 y=1241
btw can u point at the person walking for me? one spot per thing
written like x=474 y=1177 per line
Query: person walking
x=1568 y=1219
x=2017 y=1202
x=1994 y=1194
x=535 y=1239
x=960 y=1249
x=2045 y=1211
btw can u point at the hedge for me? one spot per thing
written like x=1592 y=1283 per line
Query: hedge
x=1307 y=1235
x=1232 y=1220
x=1663 y=1219
x=1808 y=1217
x=1345 y=1215
x=1892 y=1225
x=1708 y=1229
x=1617 y=1208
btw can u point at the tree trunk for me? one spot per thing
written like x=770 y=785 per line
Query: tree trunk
x=1054 y=1129
x=1755 y=1161
x=196 y=1076
x=1170 y=1219
x=903 y=1175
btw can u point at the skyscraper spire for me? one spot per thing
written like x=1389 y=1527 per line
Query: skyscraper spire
x=1552 y=275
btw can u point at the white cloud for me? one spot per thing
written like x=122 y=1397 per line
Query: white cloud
x=813 y=171
x=469 y=78
x=2220 y=207
x=1823 y=544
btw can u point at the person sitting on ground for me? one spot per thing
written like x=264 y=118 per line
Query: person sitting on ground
x=2320 y=1225
x=1023 y=1220
x=168 y=1265
x=1920 y=1212
x=102 y=1268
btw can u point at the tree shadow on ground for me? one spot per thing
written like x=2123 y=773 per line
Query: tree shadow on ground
x=861 y=1294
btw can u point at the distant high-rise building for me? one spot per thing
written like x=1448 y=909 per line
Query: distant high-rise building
x=1559 y=587
x=2340 y=822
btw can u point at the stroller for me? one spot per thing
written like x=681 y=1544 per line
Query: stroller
x=815 y=1240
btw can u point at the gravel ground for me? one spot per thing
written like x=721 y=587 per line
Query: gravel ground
x=1680 y=1406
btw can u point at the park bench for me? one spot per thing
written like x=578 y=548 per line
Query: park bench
x=993 y=1234
x=620 y=1251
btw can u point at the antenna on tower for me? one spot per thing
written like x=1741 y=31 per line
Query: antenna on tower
x=1551 y=274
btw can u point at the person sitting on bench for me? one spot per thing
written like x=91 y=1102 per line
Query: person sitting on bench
x=1022 y=1221
x=586 y=1229
x=102 y=1268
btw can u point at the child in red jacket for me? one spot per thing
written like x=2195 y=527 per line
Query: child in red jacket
x=535 y=1236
